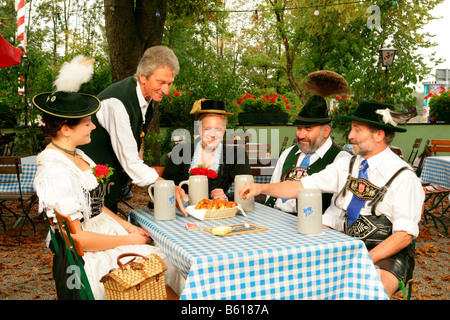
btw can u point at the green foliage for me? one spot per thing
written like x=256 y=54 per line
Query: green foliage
x=29 y=140
x=174 y=110
x=224 y=55
x=148 y=141
x=439 y=104
x=346 y=107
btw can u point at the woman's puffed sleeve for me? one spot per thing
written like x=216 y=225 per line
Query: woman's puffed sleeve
x=60 y=191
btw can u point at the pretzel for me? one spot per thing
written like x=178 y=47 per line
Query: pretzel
x=215 y=205
x=231 y=204
x=205 y=204
x=219 y=204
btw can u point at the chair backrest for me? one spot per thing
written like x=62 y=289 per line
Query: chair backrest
x=67 y=229
x=440 y=146
x=422 y=159
x=7 y=143
x=397 y=151
x=262 y=166
x=258 y=150
x=415 y=150
x=10 y=165
x=240 y=137
x=73 y=246
x=283 y=145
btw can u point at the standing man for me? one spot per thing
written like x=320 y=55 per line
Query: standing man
x=123 y=119
x=379 y=198
x=314 y=149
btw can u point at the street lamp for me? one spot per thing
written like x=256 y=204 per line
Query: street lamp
x=387 y=56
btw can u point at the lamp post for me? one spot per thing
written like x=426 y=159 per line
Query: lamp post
x=387 y=56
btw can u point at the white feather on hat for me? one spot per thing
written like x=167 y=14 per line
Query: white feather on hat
x=74 y=73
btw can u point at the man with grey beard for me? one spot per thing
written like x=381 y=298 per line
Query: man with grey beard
x=312 y=153
x=378 y=197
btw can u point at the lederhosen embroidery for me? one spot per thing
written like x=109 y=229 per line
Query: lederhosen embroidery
x=374 y=228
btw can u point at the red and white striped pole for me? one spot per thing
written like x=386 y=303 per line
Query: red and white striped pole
x=21 y=36
x=20 y=8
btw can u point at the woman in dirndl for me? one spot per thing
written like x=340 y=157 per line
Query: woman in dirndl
x=65 y=178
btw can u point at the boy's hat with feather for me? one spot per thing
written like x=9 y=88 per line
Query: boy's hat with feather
x=322 y=84
x=66 y=102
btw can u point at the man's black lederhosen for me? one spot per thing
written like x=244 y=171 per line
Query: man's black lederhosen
x=373 y=229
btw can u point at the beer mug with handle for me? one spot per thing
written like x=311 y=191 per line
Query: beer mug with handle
x=162 y=193
x=197 y=189
x=239 y=181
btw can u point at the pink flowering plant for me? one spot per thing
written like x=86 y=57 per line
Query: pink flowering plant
x=439 y=103
x=263 y=104
x=103 y=173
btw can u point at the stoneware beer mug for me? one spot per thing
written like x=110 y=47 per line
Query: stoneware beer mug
x=239 y=181
x=197 y=189
x=162 y=193
x=309 y=211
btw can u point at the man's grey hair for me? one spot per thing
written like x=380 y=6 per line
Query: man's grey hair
x=154 y=58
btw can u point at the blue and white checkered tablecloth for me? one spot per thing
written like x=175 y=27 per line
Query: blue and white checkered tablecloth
x=436 y=170
x=278 y=263
x=9 y=183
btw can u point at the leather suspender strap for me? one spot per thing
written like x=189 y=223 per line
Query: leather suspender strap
x=344 y=188
x=380 y=194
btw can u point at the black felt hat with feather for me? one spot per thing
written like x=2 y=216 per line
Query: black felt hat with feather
x=381 y=115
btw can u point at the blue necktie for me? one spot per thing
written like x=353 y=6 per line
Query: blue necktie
x=356 y=204
x=305 y=161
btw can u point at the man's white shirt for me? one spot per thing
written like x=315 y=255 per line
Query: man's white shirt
x=114 y=118
x=402 y=204
x=290 y=205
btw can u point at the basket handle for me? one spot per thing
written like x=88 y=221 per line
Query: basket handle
x=123 y=255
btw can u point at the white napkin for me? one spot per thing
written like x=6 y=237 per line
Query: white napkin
x=200 y=213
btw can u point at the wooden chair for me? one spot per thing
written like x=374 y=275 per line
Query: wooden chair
x=262 y=167
x=240 y=138
x=12 y=191
x=283 y=145
x=415 y=150
x=124 y=195
x=437 y=209
x=258 y=150
x=440 y=146
x=7 y=144
x=74 y=252
x=426 y=150
x=409 y=283
x=397 y=151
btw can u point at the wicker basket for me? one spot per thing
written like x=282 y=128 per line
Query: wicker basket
x=221 y=213
x=142 y=279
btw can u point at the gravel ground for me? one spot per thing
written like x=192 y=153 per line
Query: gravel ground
x=26 y=270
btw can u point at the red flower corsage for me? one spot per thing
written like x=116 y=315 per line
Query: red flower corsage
x=201 y=171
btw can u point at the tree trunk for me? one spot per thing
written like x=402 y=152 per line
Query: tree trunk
x=290 y=57
x=131 y=28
